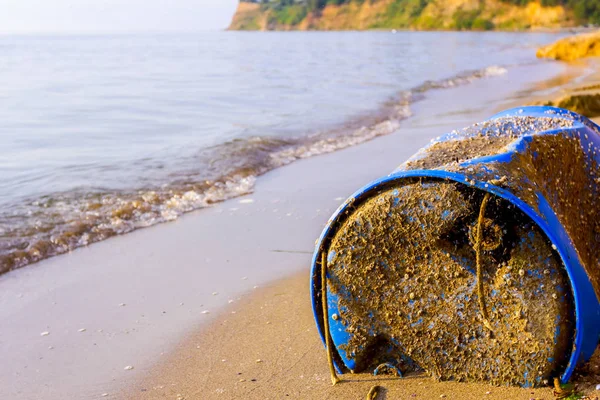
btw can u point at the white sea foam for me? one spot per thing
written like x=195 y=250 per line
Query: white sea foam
x=70 y=220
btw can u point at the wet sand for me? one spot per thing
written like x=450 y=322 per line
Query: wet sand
x=149 y=298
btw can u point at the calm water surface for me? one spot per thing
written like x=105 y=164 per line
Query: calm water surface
x=100 y=135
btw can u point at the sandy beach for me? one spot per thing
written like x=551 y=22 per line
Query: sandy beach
x=216 y=304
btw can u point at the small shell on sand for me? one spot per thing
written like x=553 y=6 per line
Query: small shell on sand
x=259 y=361
x=46 y=333
x=128 y=368
x=215 y=293
x=205 y=312
x=246 y=201
x=104 y=395
x=81 y=330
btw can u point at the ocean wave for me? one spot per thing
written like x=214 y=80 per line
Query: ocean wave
x=462 y=78
x=40 y=228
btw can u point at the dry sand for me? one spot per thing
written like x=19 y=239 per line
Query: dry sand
x=270 y=349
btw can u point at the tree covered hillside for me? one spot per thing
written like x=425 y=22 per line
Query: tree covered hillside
x=415 y=14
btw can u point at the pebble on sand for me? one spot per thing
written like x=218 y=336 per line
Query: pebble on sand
x=128 y=368
x=81 y=330
x=205 y=312
x=259 y=361
x=104 y=395
x=46 y=333
x=215 y=293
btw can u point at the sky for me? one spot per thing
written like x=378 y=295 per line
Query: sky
x=106 y=16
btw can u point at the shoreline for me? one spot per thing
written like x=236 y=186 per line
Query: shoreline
x=566 y=30
x=283 y=355
x=129 y=300
x=275 y=325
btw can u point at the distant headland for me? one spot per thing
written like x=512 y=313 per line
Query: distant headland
x=414 y=14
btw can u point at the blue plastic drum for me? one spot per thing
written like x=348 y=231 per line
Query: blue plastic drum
x=478 y=259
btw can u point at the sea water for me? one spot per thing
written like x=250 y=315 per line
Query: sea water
x=101 y=135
